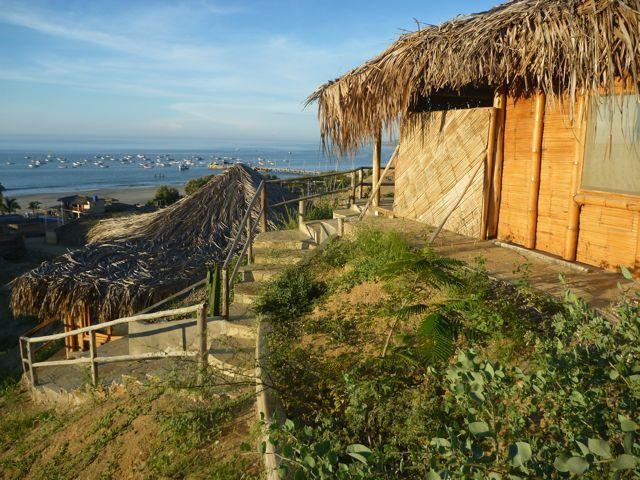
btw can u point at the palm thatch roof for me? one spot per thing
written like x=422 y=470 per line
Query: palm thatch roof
x=523 y=46
x=134 y=262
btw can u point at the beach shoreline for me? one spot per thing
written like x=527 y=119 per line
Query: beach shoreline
x=129 y=195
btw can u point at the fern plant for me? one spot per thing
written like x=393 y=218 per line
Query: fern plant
x=433 y=340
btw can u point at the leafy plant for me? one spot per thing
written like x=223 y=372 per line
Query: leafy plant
x=290 y=294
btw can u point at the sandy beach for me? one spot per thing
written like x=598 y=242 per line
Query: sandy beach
x=131 y=195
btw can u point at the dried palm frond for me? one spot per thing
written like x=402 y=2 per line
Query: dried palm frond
x=133 y=262
x=523 y=46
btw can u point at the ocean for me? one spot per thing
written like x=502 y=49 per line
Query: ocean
x=104 y=169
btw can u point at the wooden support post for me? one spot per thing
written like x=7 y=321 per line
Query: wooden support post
x=23 y=358
x=250 y=241
x=496 y=188
x=302 y=210
x=31 y=359
x=203 y=351
x=573 y=223
x=93 y=353
x=360 y=182
x=534 y=171
x=488 y=173
x=377 y=155
x=263 y=206
x=225 y=292
x=352 y=196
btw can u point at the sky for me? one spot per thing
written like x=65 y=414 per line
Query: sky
x=186 y=70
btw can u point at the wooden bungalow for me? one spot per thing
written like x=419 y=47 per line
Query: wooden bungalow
x=532 y=105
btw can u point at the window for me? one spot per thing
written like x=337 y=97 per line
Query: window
x=612 y=147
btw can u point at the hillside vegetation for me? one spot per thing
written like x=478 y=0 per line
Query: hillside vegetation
x=158 y=430
x=394 y=363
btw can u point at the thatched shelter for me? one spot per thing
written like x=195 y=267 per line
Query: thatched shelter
x=545 y=91
x=560 y=47
x=135 y=261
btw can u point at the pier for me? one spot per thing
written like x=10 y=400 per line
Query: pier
x=292 y=171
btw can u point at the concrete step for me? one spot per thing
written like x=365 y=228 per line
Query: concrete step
x=234 y=352
x=278 y=256
x=258 y=272
x=246 y=292
x=288 y=239
x=321 y=230
x=354 y=211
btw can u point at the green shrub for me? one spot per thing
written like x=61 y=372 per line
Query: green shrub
x=289 y=295
x=165 y=196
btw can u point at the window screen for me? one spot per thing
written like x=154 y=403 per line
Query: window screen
x=612 y=148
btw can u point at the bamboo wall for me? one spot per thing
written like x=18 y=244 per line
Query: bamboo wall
x=437 y=155
x=608 y=237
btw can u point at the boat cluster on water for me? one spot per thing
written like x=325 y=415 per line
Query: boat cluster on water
x=150 y=161
x=105 y=161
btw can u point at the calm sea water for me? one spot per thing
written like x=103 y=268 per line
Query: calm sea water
x=52 y=177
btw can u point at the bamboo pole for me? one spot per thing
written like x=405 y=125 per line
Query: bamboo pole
x=377 y=155
x=302 y=208
x=263 y=207
x=573 y=221
x=455 y=205
x=360 y=182
x=225 y=292
x=203 y=351
x=250 y=242
x=488 y=173
x=92 y=355
x=352 y=196
x=496 y=189
x=534 y=171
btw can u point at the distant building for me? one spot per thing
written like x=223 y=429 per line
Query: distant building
x=82 y=204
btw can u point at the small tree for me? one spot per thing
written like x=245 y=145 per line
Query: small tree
x=34 y=206
x=166 y=196
x=10 y=205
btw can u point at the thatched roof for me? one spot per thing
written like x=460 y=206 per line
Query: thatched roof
x=519 y=47
x=135 y=261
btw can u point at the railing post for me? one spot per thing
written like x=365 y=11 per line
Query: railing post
x=360 y=182
x=302 y=209
x=203 y=351
x=263 y=207
x=375 y=179
x=33 y=376
x=250 y=242
x=340 y=227
x=352 y=196
x=23 y=358
x=93 y=353
x=225 y=292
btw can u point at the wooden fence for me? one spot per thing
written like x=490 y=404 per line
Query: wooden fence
x=30 y=365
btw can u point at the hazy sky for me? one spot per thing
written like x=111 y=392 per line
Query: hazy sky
x=187 y=69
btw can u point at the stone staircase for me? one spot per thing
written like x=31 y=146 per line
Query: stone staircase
x=232 y=343
x=272 y=252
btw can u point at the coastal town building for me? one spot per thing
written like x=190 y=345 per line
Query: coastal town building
x=83 y=204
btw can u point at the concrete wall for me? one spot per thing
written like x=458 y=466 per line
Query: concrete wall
x=178 y=335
